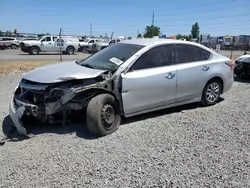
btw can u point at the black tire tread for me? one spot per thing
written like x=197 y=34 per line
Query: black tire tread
x=94 y=112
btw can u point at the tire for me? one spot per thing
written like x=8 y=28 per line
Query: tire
x=34 y=50
x=70 y=50
x=13 y=46
x=211 y=93
x=97 y=121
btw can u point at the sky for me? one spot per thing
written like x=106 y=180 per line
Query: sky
x=125 y=18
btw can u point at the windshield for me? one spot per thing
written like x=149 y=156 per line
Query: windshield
x=39 y=38
x=86 y=40
x=227 y=39
x=111 y=57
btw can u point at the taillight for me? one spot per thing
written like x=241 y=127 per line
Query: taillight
x=231 y=64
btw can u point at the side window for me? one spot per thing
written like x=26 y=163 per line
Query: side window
x=118 y=40
x=46 y=39
x=92 y=41
x=205 y=54
x=188 y=53
x=155 y=57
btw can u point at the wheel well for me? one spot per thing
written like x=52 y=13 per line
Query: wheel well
x=70 y=46
x=220 y=80
x=95 y=92
x=36 y=47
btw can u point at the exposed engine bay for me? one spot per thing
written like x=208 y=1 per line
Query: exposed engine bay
x=54 y=102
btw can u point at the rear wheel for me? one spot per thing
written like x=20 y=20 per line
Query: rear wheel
x=13 y=46
x=70 y=50
x=34 y=50
x=102 y=115
x=211 y=93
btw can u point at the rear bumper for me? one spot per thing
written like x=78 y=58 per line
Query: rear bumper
x=228 y=82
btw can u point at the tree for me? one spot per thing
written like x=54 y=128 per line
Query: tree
x=8 y=34
x=151 y=31
x=139 y=35
x=1 y=33
x=180 y=36
x=195 y=31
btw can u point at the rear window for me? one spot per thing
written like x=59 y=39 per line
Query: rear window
x=188 y=53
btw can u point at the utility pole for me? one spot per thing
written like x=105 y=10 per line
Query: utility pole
x=90 y=29
x=153 y=21
x=60 y=33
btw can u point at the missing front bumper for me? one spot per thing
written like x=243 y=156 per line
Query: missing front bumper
x=16 y=114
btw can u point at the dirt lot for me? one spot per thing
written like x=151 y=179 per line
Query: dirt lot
x=188 y=146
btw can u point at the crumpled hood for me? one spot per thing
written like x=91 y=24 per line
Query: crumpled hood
x=60 y=72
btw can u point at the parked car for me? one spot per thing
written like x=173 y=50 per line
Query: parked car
x=49 y=43
x=11 y=42
x=242 y=69
x=85 y=46
x=128 y=78
x=103 y=44
x=3 y=46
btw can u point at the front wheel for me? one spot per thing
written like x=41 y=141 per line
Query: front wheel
x=34 y=50
x=103 y=115
x=211 y=93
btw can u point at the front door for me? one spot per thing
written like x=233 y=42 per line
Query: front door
x=47 y=45
x=194 y=67
x=150 y=82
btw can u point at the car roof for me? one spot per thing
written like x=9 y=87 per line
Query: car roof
x=154 y=41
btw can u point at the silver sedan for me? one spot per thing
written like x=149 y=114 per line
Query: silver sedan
x=128 y=78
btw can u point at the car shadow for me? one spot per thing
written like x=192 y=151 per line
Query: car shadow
x=34 y=128
x=237 y=79
x=80 y=129
x=165 y=112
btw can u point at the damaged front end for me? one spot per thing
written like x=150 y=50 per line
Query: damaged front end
x=53 y=102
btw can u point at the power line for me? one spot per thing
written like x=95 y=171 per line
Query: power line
x=90 y=29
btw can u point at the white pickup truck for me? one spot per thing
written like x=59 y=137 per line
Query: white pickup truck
x=49 y=43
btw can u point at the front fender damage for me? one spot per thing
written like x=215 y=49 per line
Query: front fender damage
x=66 y=102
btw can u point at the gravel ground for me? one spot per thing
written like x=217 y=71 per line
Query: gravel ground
x=188 y=146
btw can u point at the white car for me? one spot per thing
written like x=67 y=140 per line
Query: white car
x=128 y=78
x=9 y=42
x=87 y=44
x=50 y=43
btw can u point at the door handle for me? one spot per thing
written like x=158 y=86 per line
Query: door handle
x=49 y=42
x=205 y=68
x=170 y=75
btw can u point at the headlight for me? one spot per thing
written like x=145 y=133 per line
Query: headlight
x=26 y=45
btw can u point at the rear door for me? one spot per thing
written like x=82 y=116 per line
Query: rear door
x=193 y=66
x=150 y=82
